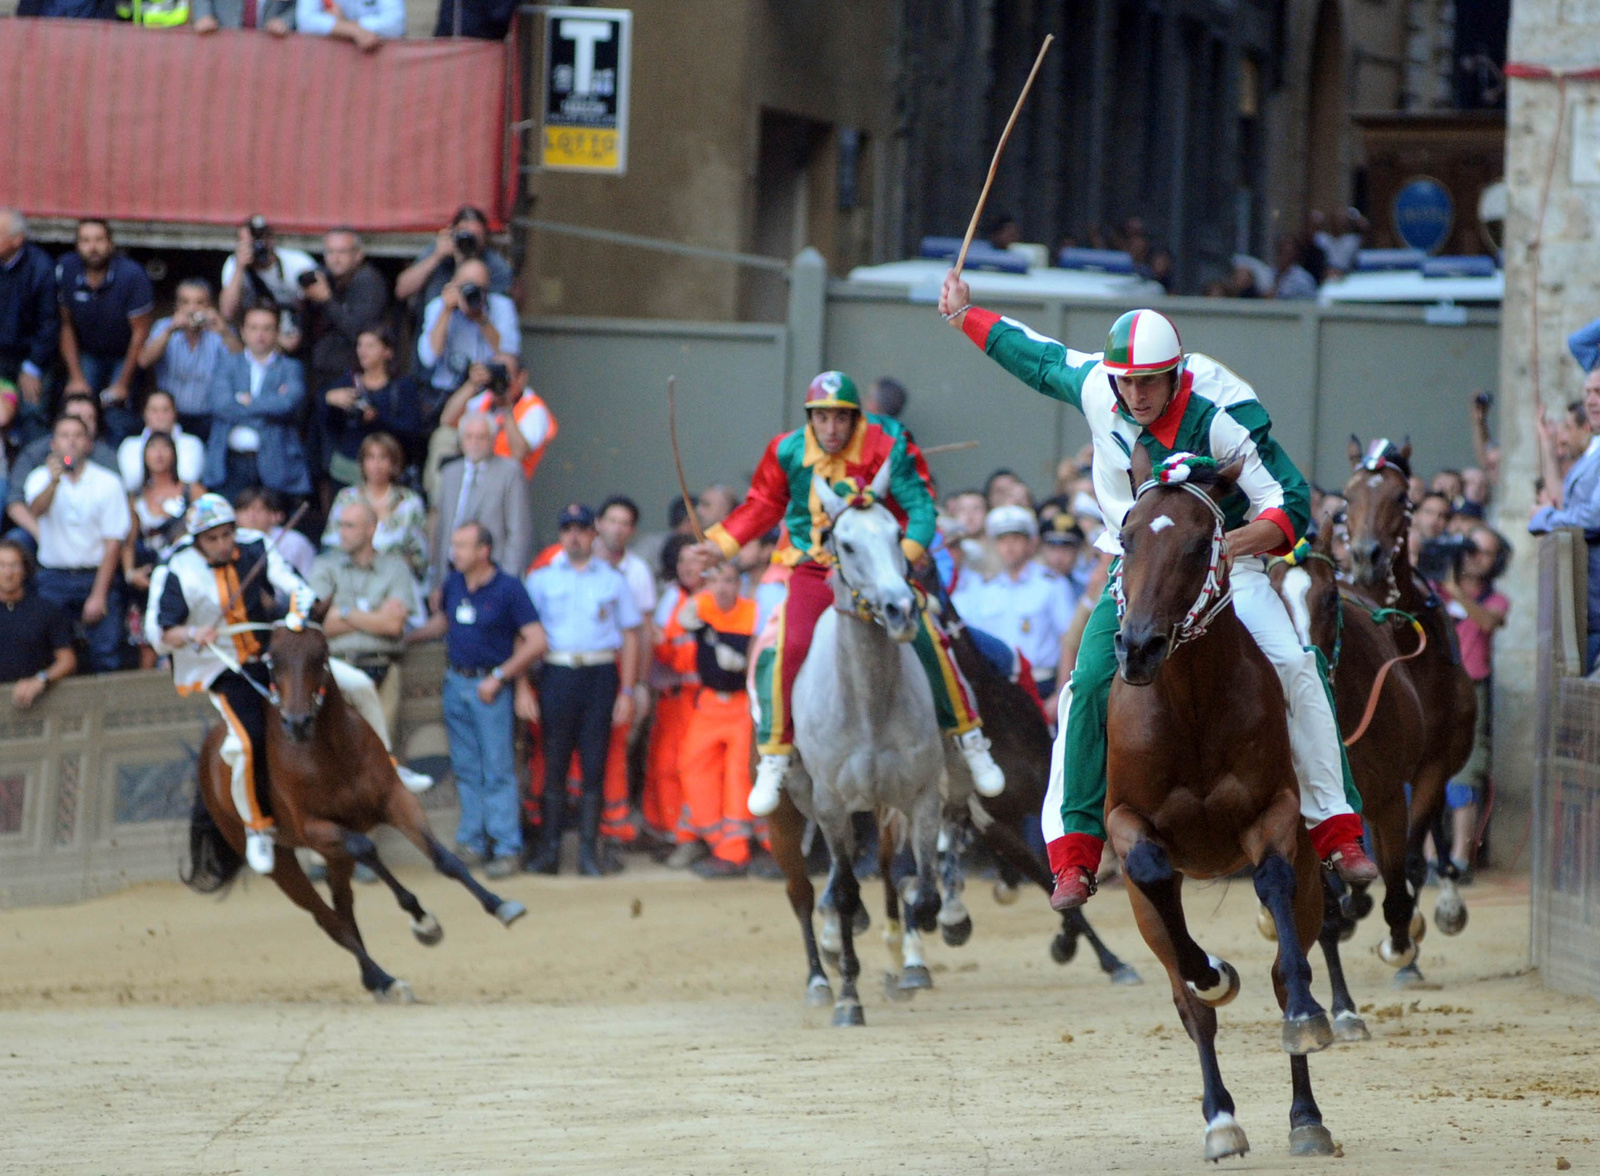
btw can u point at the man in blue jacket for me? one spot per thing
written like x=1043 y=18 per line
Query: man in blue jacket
x=257 y=399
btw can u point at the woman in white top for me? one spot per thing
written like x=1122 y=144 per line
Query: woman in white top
x=159 y=507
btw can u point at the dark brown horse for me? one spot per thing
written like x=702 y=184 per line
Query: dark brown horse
x=1378 y=532
x=331 y=784
x=1356 y=647
x=1200 y=782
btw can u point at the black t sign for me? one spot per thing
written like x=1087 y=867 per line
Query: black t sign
x=586 y=89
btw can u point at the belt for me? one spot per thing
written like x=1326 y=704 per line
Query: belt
x=578 y=661
x=71 y=571
x=472 y=671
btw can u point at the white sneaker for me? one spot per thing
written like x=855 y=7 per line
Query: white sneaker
x=987 y=777
x=414 y=781
x=258 y=850
x=764 y=796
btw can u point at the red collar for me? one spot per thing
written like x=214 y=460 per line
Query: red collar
x=1165 y=427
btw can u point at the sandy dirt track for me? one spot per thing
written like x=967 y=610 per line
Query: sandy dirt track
x=158 y=1031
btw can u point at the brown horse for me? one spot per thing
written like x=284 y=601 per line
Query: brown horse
x=1200 y=783
x=1356 y=647
x=1378 y=532
x=331 y=784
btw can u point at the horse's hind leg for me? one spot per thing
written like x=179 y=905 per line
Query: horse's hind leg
x=785 y=826
x=846 y=891
x=893 y=931
x=1074 y=923
x=339 y=924
x=404 y=812
x=924 y=906
x=1400 y=948
x=333 y=840
x=955 y=920
x=1347 y=1023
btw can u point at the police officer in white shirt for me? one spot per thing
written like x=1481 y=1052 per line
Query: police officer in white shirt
x=590 y=675
x=1025 y=605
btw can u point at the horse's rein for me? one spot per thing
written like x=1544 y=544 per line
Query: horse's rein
x=1379 y=615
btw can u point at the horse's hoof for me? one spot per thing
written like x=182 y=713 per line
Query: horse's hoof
x=830 y=956
x=955 y=934
x=894 y=991
x=427 y=930
x=1005 y=895
x=398 y=992
x=1306 y=1035
x=1224 y=1138
x=1227 y=987
x=1393 y=957
x=1360 y=903
x=1124 y=976
x=1348 y=1026
x=819 y=994
x=1266 y=924
x=1347 y=930
x=863 y=919
x=509 y=912
x=1311 y=1140
x=1063 y=947
x=1419 y=927
x=848 y=1015
x=915 y=976
x=1450 y=918
x=1410 y=976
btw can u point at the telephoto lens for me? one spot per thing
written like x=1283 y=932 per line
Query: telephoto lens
x=472 y=296
x=466 y=243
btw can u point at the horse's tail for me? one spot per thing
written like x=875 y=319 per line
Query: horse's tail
x=213 y=863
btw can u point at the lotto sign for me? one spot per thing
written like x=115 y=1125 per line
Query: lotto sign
x=586 y=60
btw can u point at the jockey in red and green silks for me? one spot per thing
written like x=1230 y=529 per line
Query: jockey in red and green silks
x=841 y=444
x=1143 y=390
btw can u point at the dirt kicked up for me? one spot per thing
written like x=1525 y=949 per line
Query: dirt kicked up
x=653 y=1023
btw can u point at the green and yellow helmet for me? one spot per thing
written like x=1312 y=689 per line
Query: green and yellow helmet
x=832 y=390
x=1141 y=342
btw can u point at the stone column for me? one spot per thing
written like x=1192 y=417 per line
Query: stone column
x=1555 y=265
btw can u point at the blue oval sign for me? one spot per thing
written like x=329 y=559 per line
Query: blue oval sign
x=1424 y=214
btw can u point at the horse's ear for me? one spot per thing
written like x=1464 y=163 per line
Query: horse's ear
x=1140 y=468
x=320 y=610
x=831 y=503
x=1353 y=451
x=1405 y=448
x=880 y=482
x=1228 y=476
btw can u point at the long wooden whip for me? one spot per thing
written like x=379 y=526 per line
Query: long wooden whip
x=677 y=457
x=994 y=164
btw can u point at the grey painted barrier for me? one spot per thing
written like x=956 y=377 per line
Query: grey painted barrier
x=96 y=781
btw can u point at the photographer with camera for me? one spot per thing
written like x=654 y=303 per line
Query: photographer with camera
x=466 y=324
x=185 y=348
x=345 y=297
x=260 y=273
x=498 y=390
x=371 y=399
x=465 y=237
x=1580 y=508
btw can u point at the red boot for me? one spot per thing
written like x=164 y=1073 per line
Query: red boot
x=1074 y=886
x=1350 y=862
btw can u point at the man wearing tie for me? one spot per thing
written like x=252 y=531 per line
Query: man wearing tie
x=275 y=16
x=1580 y=498
x=256 y=400
x=482 y=488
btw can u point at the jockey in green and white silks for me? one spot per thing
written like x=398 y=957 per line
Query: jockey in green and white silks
x=1171 y=403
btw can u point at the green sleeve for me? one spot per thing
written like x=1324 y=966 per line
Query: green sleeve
x=911 y=492
x=1043 y=364
x=1296 y=491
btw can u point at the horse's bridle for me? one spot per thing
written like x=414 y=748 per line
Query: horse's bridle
x=860 y=607
x=1216 y=593
x=295 y=624
x=1377 y=463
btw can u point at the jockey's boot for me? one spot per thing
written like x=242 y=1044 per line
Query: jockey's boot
x=767 y=790
x=590 y=863
x=259 y=849
x=1350 y=862
x=987 y=777
x=547 y=858
x=414 y=781
x=1074 y=887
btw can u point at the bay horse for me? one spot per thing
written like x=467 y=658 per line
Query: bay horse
x=331 y=784
x=867 y=738
x=1200 y=782
x=1356 y=646
x=1378 y=534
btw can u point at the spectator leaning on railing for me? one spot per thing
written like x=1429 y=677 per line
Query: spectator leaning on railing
x=364 y=23
x=1580 y=507
x=275 y=16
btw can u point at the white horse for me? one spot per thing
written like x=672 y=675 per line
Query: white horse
x=866 y=730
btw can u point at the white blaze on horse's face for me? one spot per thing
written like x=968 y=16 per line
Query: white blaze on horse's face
x=872 y=566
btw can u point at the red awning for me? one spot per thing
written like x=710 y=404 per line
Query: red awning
x=106 y=119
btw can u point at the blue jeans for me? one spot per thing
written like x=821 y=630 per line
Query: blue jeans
x=481 y=757
x=121 y=421
x=67 y=590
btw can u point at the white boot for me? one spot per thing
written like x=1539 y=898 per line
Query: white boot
x=258 y=850
x=987 y=777
x=414 y=781
x=765 y=794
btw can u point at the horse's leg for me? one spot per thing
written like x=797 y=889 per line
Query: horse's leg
x=1399 y=949
x=1347 y=1023
x=840 y=834
x=404 y=812
x=1449 y=911
x=339 y=927
x=955 y=920
x=893 y=932
x=1200 y=983
x=1307 y=1135
x=785 y=827
x=1305 y=1024
x=331 y=841
x=925 y=909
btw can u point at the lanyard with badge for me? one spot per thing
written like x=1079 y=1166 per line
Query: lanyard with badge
x=465 y=613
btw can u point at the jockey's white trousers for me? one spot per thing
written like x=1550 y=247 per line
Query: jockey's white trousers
x=1314 y=740
x=358 y=691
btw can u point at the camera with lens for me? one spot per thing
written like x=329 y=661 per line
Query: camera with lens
x=466 y=242
x=1441 y=558
x=499 y=377
x=260 y=245
x=472 y=296
x=308 y=279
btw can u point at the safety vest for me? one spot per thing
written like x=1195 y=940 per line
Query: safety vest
x=526 y=403
x=154 y=14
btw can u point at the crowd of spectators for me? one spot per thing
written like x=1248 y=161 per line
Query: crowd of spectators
x=366 y=24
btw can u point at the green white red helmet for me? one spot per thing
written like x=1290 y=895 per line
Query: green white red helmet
x=1141 y=342
x=832 y=390
x=208 y=511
